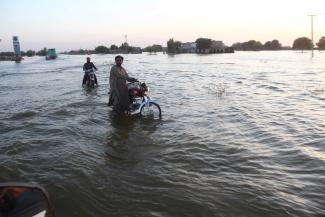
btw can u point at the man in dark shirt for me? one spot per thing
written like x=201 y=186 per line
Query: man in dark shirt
x=88 y=66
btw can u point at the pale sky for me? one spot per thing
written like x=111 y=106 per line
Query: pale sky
x=74 y=24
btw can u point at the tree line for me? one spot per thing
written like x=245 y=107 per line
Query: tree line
x=302 y=43
x=153 y=48
x=253 y=45
x=101 y=49
x=113 y=49
x=28 y=53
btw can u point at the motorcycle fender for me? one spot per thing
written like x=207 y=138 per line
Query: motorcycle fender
x=154 y=101
x=147 y=102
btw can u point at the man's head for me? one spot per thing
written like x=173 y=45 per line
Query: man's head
x=119 y=60
x=88 y=59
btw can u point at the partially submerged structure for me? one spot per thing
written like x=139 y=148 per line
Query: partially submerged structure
x=16 y=45
x=214 y=47
x=51 y=54
x=188 y=47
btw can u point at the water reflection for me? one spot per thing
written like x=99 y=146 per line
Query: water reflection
x=242 y=129
x=118 y=139
x=90 y=91
x=128 y=135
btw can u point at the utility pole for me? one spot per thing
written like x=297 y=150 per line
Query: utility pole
x=312 y=33
x=126 y=43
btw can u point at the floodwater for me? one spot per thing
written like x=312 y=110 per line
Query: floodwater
x=241 y=135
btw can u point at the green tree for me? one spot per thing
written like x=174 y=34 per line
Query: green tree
x=114 y=47
x=153 y=48
x=82 y=51
x=321 y=43
x=252 y=45
x=156 y=48
x=237 y=46
x=276 y=45
x=42 y=52
x=7 y=54
x=203 y=43
x=101 y=49
x=302 y=43
x=124 y=46
x=148 y=49
x=30 y=53
x=272 y=45
x=173 y=46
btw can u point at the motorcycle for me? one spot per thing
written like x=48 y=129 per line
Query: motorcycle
x=90 y=82
x=20 y=199
x=141 y=103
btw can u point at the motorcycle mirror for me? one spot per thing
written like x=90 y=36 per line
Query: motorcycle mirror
x=19 y=199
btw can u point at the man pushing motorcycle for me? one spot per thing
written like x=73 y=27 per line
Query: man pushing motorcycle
x=119 y=95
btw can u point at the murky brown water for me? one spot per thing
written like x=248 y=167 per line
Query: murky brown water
x=242 y=135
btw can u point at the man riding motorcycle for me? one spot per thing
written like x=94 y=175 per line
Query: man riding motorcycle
x=88 y=66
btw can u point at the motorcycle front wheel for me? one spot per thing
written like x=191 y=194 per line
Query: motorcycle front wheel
x=92 y=84
x=151 y=110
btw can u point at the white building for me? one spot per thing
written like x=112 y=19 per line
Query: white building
x=217 y=46
x=188 y=47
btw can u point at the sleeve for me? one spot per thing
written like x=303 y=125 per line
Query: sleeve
x=84 y=67
x=94 y=66
x=115 y=73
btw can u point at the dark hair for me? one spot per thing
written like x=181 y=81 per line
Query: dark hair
x=118 y=56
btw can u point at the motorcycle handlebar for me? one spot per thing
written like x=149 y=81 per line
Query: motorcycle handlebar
x=89 y=70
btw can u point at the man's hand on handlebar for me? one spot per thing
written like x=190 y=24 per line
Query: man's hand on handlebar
x=134 y=80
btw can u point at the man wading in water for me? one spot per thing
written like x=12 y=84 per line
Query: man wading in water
x=119 y=94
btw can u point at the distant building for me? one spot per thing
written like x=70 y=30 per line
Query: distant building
x=217 y=47
x=188 y=47
x=202 y=47
x=229 y=50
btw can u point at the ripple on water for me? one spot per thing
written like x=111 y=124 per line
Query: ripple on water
x=23 y=115
x=62 y=112
x=255 y=151
x=270 y=87
x=14 y=147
